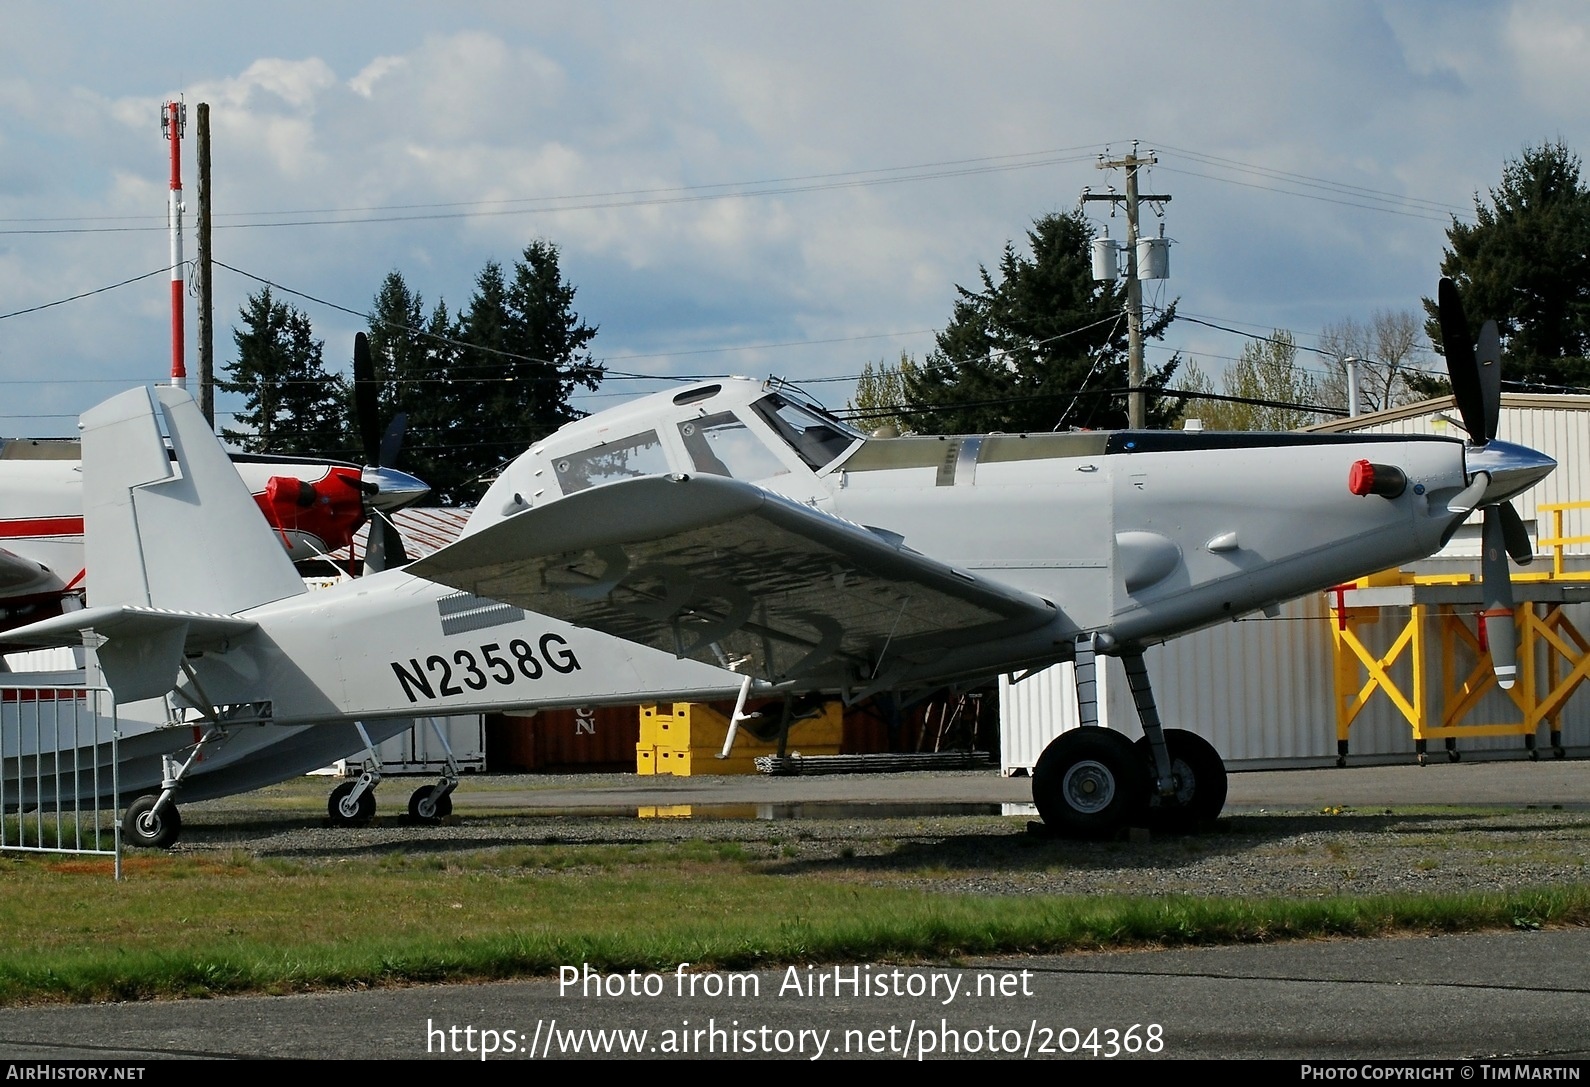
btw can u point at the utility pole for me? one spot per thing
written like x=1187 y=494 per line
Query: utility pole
x=1137 y=398
x=206 y=298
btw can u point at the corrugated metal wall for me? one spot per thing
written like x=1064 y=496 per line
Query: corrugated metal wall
x=1261 y=690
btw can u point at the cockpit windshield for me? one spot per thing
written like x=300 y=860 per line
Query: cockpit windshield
x=817 y=438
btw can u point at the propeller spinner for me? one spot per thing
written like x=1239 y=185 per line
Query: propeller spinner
x=1496 y=472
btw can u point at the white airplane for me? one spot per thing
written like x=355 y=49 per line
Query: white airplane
x=315 y=508
x=731 y=537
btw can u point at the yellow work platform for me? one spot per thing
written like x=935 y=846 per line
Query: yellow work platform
x=1553 y=656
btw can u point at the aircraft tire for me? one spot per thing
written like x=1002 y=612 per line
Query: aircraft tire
x=143 y=826
x=1200 y=775
x=1089 y=783
x=422 y=811
x=341 y=815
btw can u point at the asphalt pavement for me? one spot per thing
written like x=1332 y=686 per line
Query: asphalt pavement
x=1482 y=1001
x=1500 y=997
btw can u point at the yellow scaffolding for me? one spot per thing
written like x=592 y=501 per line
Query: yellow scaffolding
x=1553 y=656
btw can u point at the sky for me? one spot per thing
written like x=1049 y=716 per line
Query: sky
x=778 y=188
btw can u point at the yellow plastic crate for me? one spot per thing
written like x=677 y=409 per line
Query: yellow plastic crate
x=684 y=738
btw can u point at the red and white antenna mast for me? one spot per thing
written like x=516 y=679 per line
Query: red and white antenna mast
x=173 y=119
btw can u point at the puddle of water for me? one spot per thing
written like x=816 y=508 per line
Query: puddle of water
x=822 y=809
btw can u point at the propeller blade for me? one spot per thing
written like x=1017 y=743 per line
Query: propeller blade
x=392 y=440
x=365 y=396
x=1461 y=368
x=1515 y=536
x=1469 y=497
x=1497 y=592
x=1488 y=356
x=383 y=547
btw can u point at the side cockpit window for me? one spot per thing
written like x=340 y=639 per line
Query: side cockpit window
x=626 y=458
x=817 y=439
x=722 y=445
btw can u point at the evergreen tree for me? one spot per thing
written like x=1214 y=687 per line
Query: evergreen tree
x=411 y=359
x=291 y=404
x=1525 y=264
x=523 y=351
x=1044 y=347
x=398 y=346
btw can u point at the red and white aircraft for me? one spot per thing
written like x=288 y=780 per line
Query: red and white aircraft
x=315 y=505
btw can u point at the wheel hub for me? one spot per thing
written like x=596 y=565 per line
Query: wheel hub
x=1088 y=787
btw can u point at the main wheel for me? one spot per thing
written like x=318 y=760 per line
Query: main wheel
x=345 y=812
x=1200 y=776
x=1089 y=783
x=422 y=809
x=142 y=825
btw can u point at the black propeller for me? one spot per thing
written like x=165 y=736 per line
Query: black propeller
x=384 y=546
x=1476 y=377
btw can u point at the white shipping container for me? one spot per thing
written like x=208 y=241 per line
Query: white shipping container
x=417 y=751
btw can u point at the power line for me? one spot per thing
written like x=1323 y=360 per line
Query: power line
x=769 y=346
x=1162 y=394
x=85 y=294
x=684 y=194
x=1342 y=193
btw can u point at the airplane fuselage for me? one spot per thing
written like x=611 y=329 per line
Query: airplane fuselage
x=392 y=645
x=1135 y=536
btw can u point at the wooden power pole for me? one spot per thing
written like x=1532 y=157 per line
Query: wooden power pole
x=1137 y=397
x=206 y=299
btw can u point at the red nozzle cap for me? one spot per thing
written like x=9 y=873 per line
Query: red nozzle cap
x=1361 y=478
x=1385 y=480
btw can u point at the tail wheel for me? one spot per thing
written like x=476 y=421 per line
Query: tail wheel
x=347 y=812
x=1200 y=777
x=1089 y=783
x=143 y=825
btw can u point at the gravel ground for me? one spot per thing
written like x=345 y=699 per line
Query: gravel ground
x=1295 y=853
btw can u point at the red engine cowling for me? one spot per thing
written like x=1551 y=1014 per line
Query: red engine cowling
x=328 y=510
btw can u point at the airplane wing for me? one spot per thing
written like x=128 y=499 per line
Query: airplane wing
x=728 y=573
x=143 y=647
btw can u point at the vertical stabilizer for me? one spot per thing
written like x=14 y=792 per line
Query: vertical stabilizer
x=180 y=533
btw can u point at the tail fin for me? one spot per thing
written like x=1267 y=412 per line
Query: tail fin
x=184 y=534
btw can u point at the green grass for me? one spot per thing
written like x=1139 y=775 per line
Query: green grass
x=203 y=925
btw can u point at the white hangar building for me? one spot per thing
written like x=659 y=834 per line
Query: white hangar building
x=1264 y=690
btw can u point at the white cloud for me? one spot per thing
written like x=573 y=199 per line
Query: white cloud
x=364 y=83
x=397 y=107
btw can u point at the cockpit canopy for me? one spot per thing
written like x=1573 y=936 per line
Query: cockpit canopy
x=703 y=432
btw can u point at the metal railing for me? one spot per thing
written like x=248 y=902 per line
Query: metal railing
x=59 y=785
x=1558 y=541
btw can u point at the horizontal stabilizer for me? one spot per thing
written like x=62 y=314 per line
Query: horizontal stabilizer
x=143 y=647
x=730 y=574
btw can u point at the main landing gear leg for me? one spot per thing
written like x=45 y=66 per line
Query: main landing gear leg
x=1089 y=782
x=433 y=803
x=1187 y=778
x=152 y=820
x=352 y=804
